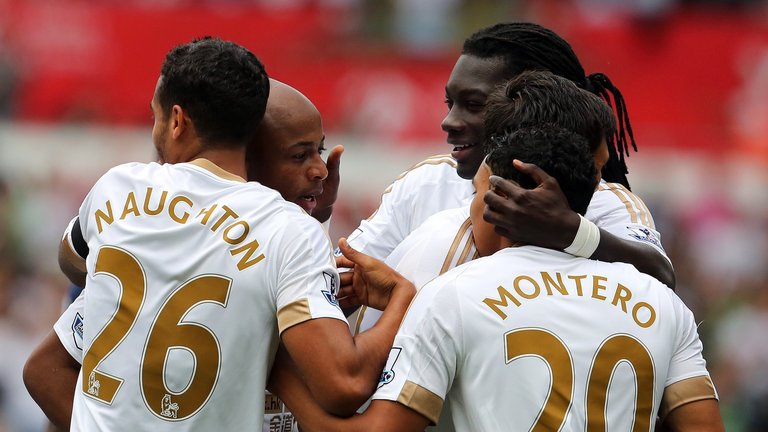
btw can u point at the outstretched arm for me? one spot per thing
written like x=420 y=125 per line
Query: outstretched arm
x=341 y=372
x=50 y=375
x=326 y=200
x=542 y=217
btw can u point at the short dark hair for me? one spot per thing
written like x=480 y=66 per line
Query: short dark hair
x=223 y=87
x=559 y=152
x=536 y=97
x=526 y=46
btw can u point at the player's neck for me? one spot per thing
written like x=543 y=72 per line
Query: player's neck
x=231 y=160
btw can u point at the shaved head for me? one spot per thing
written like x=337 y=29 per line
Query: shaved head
x=285 y=154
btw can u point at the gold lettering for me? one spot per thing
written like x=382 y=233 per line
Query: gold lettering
x=549 y=283
x=130 y=206
x=502 y=302
x=160 y=205
x=108 y=217
x=249 y=249
x=624 y=298
x=536 y=288
x=207 y=213
x=651 y=318
x=242 y=236
x=172 y=209
x=596 y=286
x=228 y=212
x=578 y=280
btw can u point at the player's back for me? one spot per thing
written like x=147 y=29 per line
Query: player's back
x=182 y=295
x=546 y=341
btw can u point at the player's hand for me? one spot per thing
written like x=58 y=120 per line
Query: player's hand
x=372 y=281
x=539 y=216
x=325 y=200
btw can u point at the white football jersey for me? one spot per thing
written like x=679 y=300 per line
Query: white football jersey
x=192 y=274
x=622 y=213
x=535 y=337
x=432 y=186
x=425 y=189
x=441 y=243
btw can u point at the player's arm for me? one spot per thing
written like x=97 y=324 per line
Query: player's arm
x=699 y=416
x=542 y=217
x=50 y=375
x=72 y=253
x=341 y=371
x=382 y=415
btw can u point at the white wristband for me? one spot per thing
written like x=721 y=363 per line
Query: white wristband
x=586 y=240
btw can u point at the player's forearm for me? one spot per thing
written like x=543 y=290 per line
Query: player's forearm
x=698 y=416
x=50 y=375
x=644 y=257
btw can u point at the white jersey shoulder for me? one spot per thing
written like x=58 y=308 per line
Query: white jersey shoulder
x=190 y=271
x=441 y=243
x=425 y=189
x=515 y=328
x=617 y=210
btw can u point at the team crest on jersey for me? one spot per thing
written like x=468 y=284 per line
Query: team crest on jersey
x=332 y=289
x=388 y=374
x=645 y=235
x=77 y=331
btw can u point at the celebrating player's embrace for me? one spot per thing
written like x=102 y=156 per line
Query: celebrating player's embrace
x=194 y=291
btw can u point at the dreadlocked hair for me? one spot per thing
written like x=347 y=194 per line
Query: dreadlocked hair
x=526 y=46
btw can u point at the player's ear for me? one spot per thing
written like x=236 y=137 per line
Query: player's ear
x=179 y=121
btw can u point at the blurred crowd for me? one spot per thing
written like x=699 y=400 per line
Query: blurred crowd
x=717 y=241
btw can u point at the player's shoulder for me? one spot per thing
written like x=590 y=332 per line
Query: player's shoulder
x=445 y=218
x=615 y=197
x=437 y=167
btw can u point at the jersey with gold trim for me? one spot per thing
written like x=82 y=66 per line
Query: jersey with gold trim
x=441 y=243
x=433 y=185
x=622 y=213
x=425 y=189
x=192 y=274
x=531 y=336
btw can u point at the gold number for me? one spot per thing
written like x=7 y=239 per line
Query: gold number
x=124 y=267
x=614 y=350
x=617 y=348
x=193 y=336
x=168 y=331
x=540 y=343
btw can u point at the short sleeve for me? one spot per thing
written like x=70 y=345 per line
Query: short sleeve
x=69 y=328
x=622 y=213
x=307 y=282
x=424 y=357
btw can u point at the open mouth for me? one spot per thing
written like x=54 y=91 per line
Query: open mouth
x=461 y=151
x=307 y=202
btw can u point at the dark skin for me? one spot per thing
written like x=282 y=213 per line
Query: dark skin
x=51 y=356
x=541 y=216
x=520 y=213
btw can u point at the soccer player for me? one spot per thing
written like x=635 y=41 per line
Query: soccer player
x=531 y=338
x=532 y=98
x=490 y=57
x=191 y=270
